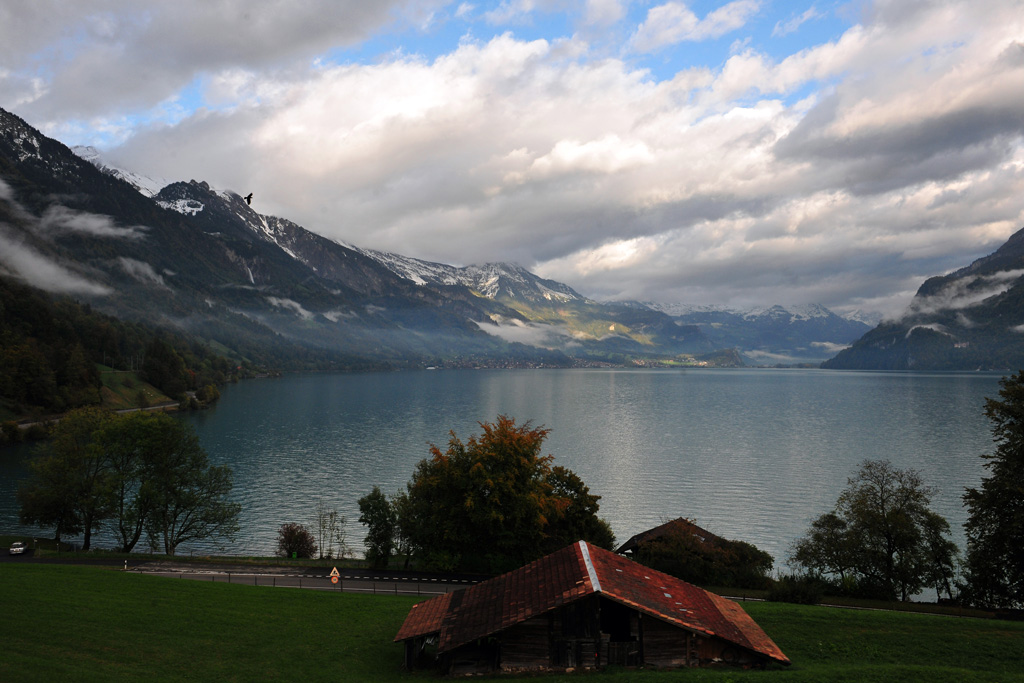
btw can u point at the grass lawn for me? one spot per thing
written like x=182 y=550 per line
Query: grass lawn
x=76 y=623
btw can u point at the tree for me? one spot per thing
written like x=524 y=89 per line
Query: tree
x=130 y=444
x=69 y=486
x=189 y=495
x=684 y=550
x=330 y=531
x=295 y=540
x=376 y=513
x=882 y=535
x=827 y=547
x=576 y=513
x=403 y=526
x=494 y=502
x=995 y=520
x=164 y=368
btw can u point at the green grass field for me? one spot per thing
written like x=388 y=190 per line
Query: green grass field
x=79 y=623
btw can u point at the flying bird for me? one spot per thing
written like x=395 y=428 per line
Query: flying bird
x=248 y=199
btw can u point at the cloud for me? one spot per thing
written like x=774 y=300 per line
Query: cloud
x=532 y=334
x=291 y=305
x=26 y=263
x=793 y=25
x=963 y=293
x=604 y=12
x=60 y=218
x=111 y=54
x=844 y=173
x=674 y=22
x=829 y=348
x=510 y=11
x=141 y=271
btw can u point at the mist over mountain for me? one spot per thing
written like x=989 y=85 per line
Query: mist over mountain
x=204 y=261
x=970 y=319
x=770 y=335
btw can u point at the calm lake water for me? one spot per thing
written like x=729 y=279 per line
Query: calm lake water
x=752 y=455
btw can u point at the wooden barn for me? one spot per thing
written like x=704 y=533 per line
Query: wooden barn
x=676 y=526
x=581 y=607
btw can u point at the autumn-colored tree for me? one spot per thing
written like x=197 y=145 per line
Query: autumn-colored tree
x=494 y=502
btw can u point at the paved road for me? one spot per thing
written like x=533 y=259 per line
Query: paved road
x=317 y=578
x=349 y=581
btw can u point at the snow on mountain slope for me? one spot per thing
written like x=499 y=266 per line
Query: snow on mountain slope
x=492 y=280
x=776 y=312
x=144 y=184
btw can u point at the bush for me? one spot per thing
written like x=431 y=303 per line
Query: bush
x=295 y=540
x=800 y=589
x=10 y=432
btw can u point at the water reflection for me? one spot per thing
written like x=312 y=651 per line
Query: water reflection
x=750 y=454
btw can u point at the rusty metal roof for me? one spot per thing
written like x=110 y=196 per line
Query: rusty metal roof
x=425 y=617
x=569 y=574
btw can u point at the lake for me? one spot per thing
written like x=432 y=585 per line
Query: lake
x=751 y=455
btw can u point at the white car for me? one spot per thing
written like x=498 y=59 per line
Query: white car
x=17 y=548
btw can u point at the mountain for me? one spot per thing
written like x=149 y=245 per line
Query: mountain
x=970 y=319
x=770 y=335
x=499 y=281
x=553 y=314
x=202 y=261
x=144 y=184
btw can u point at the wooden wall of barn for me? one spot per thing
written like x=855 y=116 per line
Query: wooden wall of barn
x=665 y=645
x=527 y=645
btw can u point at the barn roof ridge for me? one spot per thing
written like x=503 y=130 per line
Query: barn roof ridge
x=569 y=574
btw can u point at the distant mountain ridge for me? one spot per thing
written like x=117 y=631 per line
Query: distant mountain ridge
x=970 y=319
x=205 y=261
x=768 y=335
x=492 y=280
x=144 y=184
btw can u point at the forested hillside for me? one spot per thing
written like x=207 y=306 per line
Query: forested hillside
x=51 y=347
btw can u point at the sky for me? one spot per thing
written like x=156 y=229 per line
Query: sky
x=741 y=153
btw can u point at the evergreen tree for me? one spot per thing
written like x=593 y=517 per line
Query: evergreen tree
x=995 y=523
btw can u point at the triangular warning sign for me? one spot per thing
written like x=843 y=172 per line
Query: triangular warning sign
x=334 y=572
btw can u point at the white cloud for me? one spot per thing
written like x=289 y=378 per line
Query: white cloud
x=141 y=271
x=289 y=304
x=58 y=218
x=26 y=263
x=964 y=293
x=844 y=173
x=604 y=12
x=510 y=11
x=675 y=22
x=532 y=334
x=784 y=28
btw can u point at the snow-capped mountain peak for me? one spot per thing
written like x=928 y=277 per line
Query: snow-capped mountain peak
x=144 y=184
x=491 y=280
